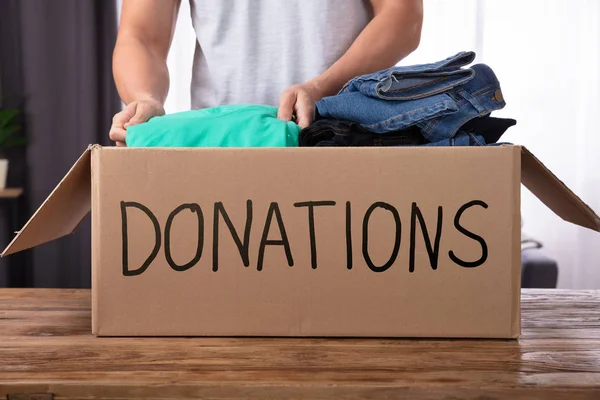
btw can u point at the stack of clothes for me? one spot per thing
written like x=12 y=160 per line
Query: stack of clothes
x=437 y=104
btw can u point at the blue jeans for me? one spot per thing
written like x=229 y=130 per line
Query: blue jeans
x=415 y=81
x=438 y=98
x=460 y=139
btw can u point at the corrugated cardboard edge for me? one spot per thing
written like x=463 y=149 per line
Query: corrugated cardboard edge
x=62 y=212
x=95 y=176
x=555 y=194
x=515 y=326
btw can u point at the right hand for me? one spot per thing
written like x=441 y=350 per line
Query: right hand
x=135 y=113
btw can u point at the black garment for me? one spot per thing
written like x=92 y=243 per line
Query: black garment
x=331 y=132
x=491 y=128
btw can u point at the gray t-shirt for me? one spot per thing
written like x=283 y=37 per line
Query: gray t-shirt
x=249 y=51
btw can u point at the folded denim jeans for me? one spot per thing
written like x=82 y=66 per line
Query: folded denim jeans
x=460 y=139
x=414 y=81
x=439 y=116
x=438 y=97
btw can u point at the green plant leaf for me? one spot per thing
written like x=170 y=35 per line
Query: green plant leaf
x=14 y=141
x=7 y=115
x=7 y=132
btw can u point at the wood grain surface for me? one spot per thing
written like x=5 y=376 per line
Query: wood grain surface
x=46 y=349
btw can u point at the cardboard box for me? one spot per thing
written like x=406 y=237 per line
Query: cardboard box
x=407 y=242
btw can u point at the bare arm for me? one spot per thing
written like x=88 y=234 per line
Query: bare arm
x=393 y=33
x=140 y=61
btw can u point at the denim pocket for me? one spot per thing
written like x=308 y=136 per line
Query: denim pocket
x=417 y=86
x=377 y=83
x=393 y=116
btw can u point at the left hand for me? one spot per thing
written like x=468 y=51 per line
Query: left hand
x=299 y=101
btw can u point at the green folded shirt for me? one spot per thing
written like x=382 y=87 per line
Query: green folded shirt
x=240 y=125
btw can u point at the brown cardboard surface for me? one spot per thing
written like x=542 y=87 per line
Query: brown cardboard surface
x=96 y=167
x=555 y=194
x=298 y=300
x=368 y=270
x=516 y=253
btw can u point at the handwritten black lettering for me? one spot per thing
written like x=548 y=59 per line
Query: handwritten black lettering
x=243 y=247
x=461 y=229
x=264 y=241
x=397 y=238
x=432 y=251
x=124 y=235
x=311 y=226
x=348 y=235
x=194 y=208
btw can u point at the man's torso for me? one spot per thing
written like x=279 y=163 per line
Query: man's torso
x=249 y=51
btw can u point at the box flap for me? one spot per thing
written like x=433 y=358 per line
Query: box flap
x=555 y=194
x=62 y=212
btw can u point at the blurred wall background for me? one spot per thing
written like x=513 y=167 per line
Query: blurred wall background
x=56 y=57
x=55 y=63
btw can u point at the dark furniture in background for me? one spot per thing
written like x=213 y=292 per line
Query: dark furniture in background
x=14 y=273
x=538 y=270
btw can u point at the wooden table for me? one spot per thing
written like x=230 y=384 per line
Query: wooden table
x=46 y=347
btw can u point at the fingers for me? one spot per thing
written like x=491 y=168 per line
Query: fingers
x=122 y=117
x=135 y=113
x=296 y=101
x=143 y=112
x=286 y=105
x=117 y=134
x=117 y=130
x=304 y=109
